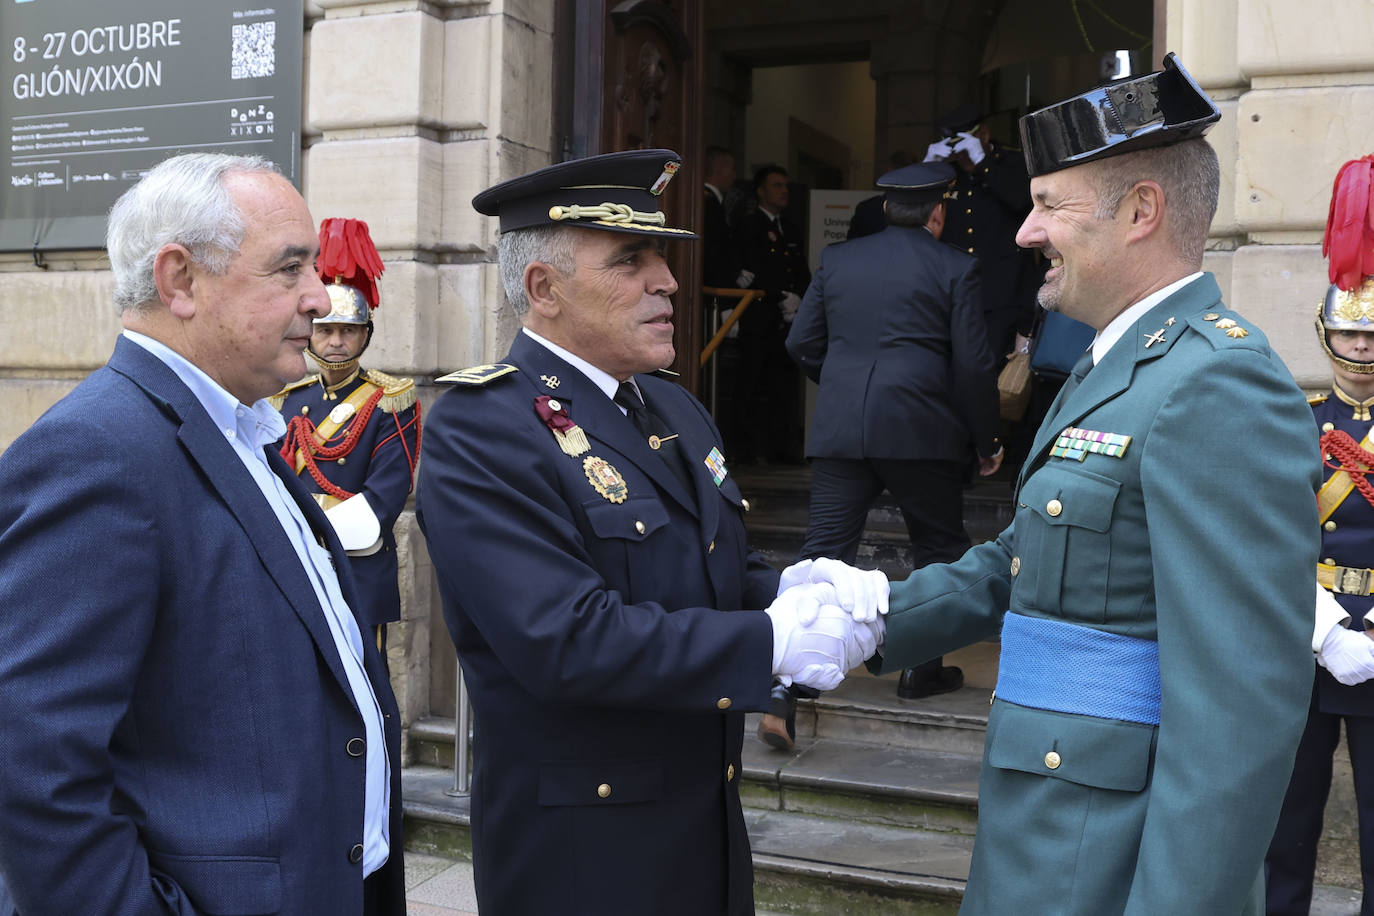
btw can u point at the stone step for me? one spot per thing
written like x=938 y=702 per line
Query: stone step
x=804 y=864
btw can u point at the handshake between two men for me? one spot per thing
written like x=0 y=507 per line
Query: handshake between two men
x=827 y=619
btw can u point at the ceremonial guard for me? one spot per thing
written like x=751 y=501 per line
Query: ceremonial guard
x=1153 y=594
x=353 y=434
x=990 y=197
x=1342 y=691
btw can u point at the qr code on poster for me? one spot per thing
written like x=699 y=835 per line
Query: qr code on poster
x=255 y=50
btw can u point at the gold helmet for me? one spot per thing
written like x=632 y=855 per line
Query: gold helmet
x=349 y=265
x=1349 y=247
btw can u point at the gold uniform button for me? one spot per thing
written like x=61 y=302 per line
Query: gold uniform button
x=1330 y=526
x=970 y=249
x=342 y=460
x=745 y=504
x=1328 y=426
x=1330 y=561
x=1052 y=760
x=730 y=773
x=1015 y=565
x=604 y=790
x=711 y=548
x=305 y=409
x=639 y=526
x=1053 y=508
x=970 y=230
x=723 y=703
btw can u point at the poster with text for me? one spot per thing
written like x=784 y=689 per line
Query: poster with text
x=96 y=94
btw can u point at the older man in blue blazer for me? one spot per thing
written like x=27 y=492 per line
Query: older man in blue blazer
x=190 y=719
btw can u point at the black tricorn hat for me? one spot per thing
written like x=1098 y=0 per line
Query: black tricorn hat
x=616 y=192
x=1120 y=117
x=917 y=184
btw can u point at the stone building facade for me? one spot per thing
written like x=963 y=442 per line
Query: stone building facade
x=412 y=106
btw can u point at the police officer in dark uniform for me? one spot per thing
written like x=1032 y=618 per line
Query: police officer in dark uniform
x=892 y=330
x=610 y=620
x=1343 y=690
x=990 y=198
x=771 y=249
x=353 y=434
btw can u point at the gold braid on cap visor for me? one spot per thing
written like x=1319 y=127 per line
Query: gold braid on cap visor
x=607 y=213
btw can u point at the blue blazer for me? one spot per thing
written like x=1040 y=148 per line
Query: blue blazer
x=174 y=718
x=609 y=688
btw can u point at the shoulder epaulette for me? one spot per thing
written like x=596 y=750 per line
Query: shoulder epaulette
x=1223 y=329
x=1314 y=399
x=477 y=375
x=397 y=393
x=278 y=399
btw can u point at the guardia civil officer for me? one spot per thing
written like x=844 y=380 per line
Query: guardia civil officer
x=589 y=542
x=1342 y=691
x=353 y=434
x=1156 y=665
x=990 y=198
x=892 y=329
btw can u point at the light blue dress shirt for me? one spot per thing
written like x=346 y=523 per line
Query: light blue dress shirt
x=249 y=430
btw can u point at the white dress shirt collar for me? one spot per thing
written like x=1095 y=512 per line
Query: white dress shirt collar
x=608 y=383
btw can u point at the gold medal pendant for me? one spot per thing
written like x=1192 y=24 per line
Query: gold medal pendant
x=605 y=479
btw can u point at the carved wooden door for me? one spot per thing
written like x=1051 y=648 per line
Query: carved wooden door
x=630 y=77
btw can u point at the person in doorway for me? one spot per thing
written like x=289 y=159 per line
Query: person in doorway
x=769 y=388
x=610 y=620
x=353 y=434
x=892 y=330
x=1342 y=691
x=1153 y=594
x=990 y=198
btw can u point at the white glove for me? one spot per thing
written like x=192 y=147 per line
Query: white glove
x=970 y=144
x=789 y=305
x=745 y=278
x=814 y=654
x=938 y=151
x=734 y=328
x=1348 y=655
x=861 y=592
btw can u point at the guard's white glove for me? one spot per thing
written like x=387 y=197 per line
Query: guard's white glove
x=745 y=278
x=938 y=151
x=734 y=328
x=970 y=144
x=789 y=305
x=814 y=654
x=1348 y=655
x=861 y=592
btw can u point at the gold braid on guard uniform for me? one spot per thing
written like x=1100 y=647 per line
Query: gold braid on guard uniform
x=1347 y=455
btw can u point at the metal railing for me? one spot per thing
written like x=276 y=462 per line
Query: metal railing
x=462 y=722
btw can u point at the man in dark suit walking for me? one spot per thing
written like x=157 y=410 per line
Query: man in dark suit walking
x=610 y=620
x=892 y=330
x=190 y=718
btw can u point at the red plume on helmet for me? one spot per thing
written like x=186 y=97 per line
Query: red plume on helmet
x=1349 y=240
x=347 y=255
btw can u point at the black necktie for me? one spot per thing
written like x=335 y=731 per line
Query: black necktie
x=660 y=439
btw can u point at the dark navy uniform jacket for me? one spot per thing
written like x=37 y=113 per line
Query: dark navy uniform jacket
x=608 y=685
x=1351 y=543
x=379 y=466
x=778 y=261
x=892 y=328
x=982 y=215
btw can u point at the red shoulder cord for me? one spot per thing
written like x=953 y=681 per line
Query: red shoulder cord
x=1351 y=458
x=300 y=436
x=411 y=457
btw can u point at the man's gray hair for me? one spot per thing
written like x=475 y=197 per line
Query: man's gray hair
x=181 y=201
x=1190 y=176
x=517 y=249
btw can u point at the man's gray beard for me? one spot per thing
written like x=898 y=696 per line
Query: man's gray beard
x=1046 y=298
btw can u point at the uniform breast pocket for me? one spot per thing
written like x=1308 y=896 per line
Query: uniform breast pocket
x=1063 y=533
x=633 y=520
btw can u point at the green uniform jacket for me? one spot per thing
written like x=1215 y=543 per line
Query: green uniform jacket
x=1201 y=537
